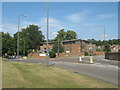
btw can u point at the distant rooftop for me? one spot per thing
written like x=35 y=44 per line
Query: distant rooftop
x=51 y=42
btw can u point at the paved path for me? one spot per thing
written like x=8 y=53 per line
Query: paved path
x=101 y=69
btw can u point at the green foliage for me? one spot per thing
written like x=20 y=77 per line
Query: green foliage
x=30 y=38
x=107 y=48
x=86 y=54
x=52 y=54
x=30 y=51
x=118 y=50
x=62 y=35
x=56 y=47
x=70 y=35
x=101 y=43
x=0 y=43
x=7 y=44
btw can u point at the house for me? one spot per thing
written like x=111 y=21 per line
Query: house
x=71 y=46
x=114 y=48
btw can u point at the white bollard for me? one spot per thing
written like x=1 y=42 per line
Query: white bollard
x=91 y=59
x=80 y=58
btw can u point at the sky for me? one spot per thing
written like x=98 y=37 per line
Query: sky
x=87 y=19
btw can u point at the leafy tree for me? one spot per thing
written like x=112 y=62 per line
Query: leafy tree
x=0 y=43
x=70 y=35
x=107 y=48
x=7 y=44
x=30 y=38
x=52 y=54
x=55 y=48
x=61 y=35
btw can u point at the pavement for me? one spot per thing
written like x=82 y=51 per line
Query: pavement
x=102 y=69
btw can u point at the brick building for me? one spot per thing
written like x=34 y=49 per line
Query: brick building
x=72 y=46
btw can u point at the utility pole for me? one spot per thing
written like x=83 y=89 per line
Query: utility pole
x=24 y=48
x=18 y=35
x=18 y=38
x=47 y=14
x=58 y=47
x=104 y=38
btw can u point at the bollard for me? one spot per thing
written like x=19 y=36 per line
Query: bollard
x=91 y=59
x=83 y=56
x=24 y=57
x=80 y=59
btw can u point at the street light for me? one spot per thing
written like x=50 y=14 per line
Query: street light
x=18 y=34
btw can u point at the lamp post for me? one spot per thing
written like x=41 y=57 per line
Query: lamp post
x=18 y=35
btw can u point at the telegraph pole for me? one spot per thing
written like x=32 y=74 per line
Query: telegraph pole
x=47 y=14
x=58 y=47
x=18 y=38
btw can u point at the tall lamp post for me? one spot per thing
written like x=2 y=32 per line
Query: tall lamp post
x=18 y=35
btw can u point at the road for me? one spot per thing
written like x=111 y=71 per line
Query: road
x=102 y=69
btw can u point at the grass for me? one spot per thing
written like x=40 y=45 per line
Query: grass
x=34 y=75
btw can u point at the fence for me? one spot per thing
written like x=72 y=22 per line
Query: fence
x=113 y=56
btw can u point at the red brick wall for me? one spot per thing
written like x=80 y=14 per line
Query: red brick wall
x=36 y=55
x=45 y=46
x=100 y=53
x=69 y=54
x=74 y=48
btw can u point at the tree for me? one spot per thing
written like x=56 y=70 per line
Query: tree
x=30 y=38
x=62 y=35
x=52 y=54
x=0 y=44
x=70 y=35
x=55 y=48
x=7 y=44
x=107 y=48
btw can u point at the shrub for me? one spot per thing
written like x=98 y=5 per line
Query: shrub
x=86 y=54
x=52 y=54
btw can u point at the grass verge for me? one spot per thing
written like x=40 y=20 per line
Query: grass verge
x=34 y=75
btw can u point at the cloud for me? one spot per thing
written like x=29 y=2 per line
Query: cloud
x=89 y=24
x=11 y=28
x=54 y=26
x=106 y=36
x=104 y=16
x=78 y=17
x=55 y=34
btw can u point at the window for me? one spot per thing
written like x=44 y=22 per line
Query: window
x=91 y=49
x=44 y=48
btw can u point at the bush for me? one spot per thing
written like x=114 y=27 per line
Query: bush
x=86 y=54
x=30 y=51
x=52 y=54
